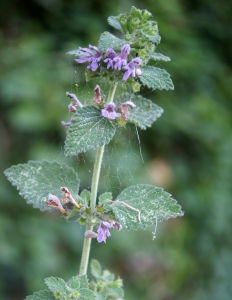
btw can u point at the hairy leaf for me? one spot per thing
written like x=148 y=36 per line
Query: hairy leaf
x=36 y=179
x=87 y=294
x=85 y=197
x=114 y=23
x=77 y=52
x=108 y=40
x=95 y=268
x=74 y=283
x=56 y=285
x=41 y=295
x=104 y=198
x=159 y=56
x=88 y=130
x=153 y=203
x=153 y=38
x=83 y=281
x=145 y=112
x=156 y=78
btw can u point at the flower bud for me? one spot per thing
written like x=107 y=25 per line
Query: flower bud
x=138 y=72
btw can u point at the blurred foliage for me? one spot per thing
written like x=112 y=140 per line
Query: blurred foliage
x=187 y=151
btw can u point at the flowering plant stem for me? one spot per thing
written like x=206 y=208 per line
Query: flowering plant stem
x=94 y=189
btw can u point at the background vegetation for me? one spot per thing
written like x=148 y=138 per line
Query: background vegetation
x=187 y=151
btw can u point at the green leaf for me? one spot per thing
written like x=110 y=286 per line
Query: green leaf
x=156 y=78
x=104 y=198
x=74 y=283
x=88 y=130
x=114 y=23
x=155 y=39
x=56 y=285
x=83 y=281
x=87 y=294
x=76 y=52
x=153 y=203
x=115 y=292
x=145 y=112
x=107 y=276
x=85 y=197
x=159 y=56
x=95 y=268
x=41 y=295
x=100 y=295
x=108 y=40
x=36 y=179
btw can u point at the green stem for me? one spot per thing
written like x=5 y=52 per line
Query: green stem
x=93 y=198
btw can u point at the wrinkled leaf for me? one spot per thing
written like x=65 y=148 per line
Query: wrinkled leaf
x=74 y=283
x=108 y=40
x=95 y=268
x=145 y=112
x=36 y=179
x=88 y=130
x=104 y=198
x=56 y=285
x=87 y=294
x=159 y=56
x=153 y=203
x=41 y=295
x=156 y=78
x=114 y=23
x=85 y=197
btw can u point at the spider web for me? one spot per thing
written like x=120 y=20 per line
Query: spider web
x=123 y=161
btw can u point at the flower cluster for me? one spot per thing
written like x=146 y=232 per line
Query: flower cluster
x=114 y=61
x=109 y=110
x=103 y=230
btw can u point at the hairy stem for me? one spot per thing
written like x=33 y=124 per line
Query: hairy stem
x=94 y=189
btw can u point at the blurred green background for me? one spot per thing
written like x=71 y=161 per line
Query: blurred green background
x=188 y=150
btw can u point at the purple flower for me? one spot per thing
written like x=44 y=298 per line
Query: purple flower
x=93 y=56
x=109 y=60
x=124 y=110
x=66 y=123
x=130 y=68
x=108 y=111
x=121 y=60
x=75 y=101
x=103 y=231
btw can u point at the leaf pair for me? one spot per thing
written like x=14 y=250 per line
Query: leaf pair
x=89 y=129
x=135 y=207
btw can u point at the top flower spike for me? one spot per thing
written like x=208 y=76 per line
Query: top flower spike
x=126 y=59
x=92 y=57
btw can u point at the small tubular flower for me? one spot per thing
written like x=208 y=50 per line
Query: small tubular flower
x=75 y=101
x=109 y=60
x=92 y=55
x=97 y=99
x=131 y=68
x=109 y=111
x=103 y=229
x=124 y=109
x=54 y=201
x=121 y=60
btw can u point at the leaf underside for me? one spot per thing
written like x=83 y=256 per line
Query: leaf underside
x=36 y=179
x=153 y=203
